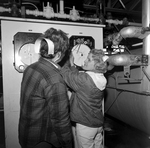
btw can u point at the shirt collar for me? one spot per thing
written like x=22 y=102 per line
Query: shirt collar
x=53 y=63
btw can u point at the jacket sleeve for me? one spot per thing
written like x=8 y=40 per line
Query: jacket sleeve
x=74 y=78
x=59 y=113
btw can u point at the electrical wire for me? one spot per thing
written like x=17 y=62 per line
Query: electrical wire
x=27 y=3
x=113 y=102
x=146 y=74
x=124 y=90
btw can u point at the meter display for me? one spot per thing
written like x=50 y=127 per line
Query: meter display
x=87 y=40
x=24 y=50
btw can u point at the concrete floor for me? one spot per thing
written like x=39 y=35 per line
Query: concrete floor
x=117 y=135
x=121 y=135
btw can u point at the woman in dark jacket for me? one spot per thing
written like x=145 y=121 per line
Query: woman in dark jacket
x=86 y=99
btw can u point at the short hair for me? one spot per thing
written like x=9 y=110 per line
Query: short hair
x=60 y=40
x=100 y=64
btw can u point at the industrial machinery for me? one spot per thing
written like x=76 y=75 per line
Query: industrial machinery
x=18 y=38
x=128 y=89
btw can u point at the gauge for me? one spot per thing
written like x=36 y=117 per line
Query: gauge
x=27 y=54
x=87 y=40
x=80 y=53
x=24 y=50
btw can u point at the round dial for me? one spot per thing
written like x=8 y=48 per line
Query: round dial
x=80 y=53
x=27 y=54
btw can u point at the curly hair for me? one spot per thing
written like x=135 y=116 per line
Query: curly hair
x=60 y=40
x=100 y=65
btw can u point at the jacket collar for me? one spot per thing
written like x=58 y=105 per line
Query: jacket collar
x=49 y=63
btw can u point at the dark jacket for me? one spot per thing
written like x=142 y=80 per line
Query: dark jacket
x=44 y=107
x=86 y=98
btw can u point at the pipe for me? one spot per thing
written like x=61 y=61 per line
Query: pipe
x=127 y=32
x=122 y=22
x=61 y=6
x=132 y=108
x=124 y=60
x=146 y=23
x=134 y=32
x=73 y=16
